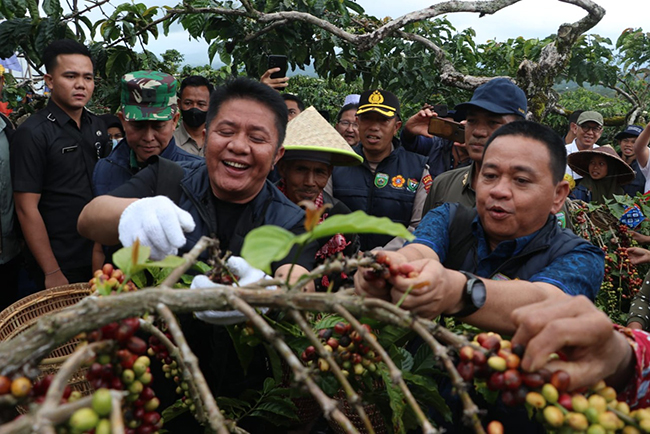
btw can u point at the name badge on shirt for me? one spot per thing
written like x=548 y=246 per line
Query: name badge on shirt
x=69 y=149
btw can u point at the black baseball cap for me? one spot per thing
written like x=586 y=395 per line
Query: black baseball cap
x=380 y=101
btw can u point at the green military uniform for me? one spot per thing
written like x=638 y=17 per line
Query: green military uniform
x=452 y=186
x=456 y=186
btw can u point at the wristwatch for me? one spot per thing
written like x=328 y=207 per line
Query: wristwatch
x=473 y=297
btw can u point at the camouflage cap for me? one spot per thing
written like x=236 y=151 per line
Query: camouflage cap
x=148 y=96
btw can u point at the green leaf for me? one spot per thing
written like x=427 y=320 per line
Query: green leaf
x=393 y=335
x=170 y=261
x=244 y=351
x=139 y=279
x=174 y=410
x=425 y=389
x=201 y=267
x=359 y=222
x=123 y=259
x=354 y=6
x=397 y=402
x=52 y=7
x=328 y=321
x=225 y=402
x=276 y=365
x=267 y=244
x=424 y=362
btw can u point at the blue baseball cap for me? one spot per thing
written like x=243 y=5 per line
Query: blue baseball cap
x=500 y=96
x=630 y=131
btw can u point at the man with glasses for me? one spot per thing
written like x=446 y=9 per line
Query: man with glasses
x=346 y=123
x=587 y=131
x=392 y=182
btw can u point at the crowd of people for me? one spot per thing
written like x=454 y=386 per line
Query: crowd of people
x=488 y=214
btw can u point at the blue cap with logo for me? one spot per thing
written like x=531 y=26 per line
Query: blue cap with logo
x=630 y=131
x=500 y=96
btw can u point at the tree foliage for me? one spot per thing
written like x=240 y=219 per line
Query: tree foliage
x=419 y=55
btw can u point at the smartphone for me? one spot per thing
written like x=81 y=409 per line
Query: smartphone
x=278 y=61
x=449 y=130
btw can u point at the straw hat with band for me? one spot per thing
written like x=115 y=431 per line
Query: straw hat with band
x=616 y=167
x=311 y=137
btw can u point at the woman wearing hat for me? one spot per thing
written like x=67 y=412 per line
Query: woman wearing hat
x=603 y=171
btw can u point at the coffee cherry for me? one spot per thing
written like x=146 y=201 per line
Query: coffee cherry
x=102 y=402
x=565 y=401
x=83 y=419
x=103 y=427
x=497 y=363
x=553 y=416
x=466 y=353
x=532 y=379
x=536 y=400
x=577 y=421
x=560 y=379
x=340 y=328
x=5 y=385
x=495 y=427
x=550 y=393
x=512 y=379
x=21 y=387
x=466 y=370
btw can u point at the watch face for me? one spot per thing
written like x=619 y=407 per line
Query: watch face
x=479 y=294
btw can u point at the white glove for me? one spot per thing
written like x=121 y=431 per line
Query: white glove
x=246 y=274
x=158 y=223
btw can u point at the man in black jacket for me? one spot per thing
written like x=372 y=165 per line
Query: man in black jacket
x=53 y=155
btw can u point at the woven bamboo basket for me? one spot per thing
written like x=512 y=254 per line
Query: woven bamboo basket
x=307 y=409
x=24 y=313
x=372 y=411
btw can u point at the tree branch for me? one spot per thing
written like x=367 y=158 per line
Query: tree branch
x=193 y=373
x=351 y=394
x=395 y=373
x=301 y=373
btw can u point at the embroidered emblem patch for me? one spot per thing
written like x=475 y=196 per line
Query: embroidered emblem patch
x=427 y=181
x=397 y=181
x=376 y=98
x=412 y=185
x=381 y=180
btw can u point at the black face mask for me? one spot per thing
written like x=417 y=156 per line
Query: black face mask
x=194 y=117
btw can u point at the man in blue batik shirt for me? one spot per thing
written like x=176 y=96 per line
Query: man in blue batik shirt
x=509 y=250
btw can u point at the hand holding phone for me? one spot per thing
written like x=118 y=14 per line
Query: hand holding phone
x=446 y=129
x=278 y=61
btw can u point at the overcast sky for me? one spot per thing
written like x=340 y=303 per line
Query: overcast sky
x=528 y=18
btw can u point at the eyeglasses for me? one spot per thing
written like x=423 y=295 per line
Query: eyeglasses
x=348 y=124
x=596 y=129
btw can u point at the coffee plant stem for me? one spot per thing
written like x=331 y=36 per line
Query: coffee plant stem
x=190 y=258
x=193 y=374
x=175 y=353
x=117 y=420
x=395 y=373
x=471 y=411
x=71 y=365
x=301 y=373
x=353 y=397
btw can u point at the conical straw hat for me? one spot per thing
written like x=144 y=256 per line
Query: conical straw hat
x=619 y=169
x=309 y=133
